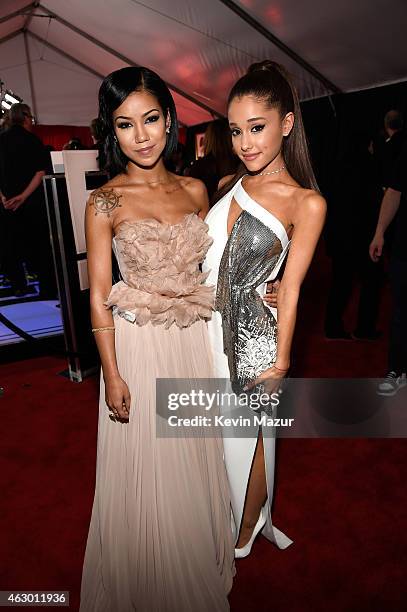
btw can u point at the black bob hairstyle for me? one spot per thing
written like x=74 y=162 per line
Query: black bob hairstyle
x=115 y=88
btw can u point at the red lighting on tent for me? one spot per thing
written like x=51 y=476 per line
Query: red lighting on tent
x=164 y=49
x=274 y=15
x=226 y=78
x=189 y=68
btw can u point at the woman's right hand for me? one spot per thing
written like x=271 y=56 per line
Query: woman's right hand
x=117 y=397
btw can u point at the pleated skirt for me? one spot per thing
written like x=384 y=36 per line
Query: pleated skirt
x=160 y=536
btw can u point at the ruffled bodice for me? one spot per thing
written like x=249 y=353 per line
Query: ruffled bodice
x=159 y=264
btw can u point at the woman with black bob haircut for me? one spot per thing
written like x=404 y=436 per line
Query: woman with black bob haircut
x=268 y=215
x=160 y=536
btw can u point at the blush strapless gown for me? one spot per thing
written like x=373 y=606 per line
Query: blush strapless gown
x=159 y=537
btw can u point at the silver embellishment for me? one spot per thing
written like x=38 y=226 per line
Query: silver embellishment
x=255 y=352
x=249 y=328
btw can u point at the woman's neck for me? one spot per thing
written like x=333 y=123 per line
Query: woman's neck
x=148 y=175
x=273 y=168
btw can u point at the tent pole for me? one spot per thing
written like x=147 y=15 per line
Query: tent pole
x=127 y=60
x=279 y=43
x=66 y=55
x=30 y=76
x=10 y=36
x=26 y=8
x=34 y=6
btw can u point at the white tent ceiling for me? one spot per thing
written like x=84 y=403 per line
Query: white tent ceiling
x=54 y=54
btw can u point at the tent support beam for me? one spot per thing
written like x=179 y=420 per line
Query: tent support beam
x=126 y=60
x=30 y=15
x=72 y=59
x=10 y=36
x=278 y=43
x=17 y=13
x=64 y=54
x=30 y=76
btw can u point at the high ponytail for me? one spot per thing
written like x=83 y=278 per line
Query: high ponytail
x=271 y=82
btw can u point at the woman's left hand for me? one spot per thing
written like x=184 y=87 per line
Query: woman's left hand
x=270 y=380
x=270 y=297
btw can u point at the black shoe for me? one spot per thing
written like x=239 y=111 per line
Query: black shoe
x=375 y=334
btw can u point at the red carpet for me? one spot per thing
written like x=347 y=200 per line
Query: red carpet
x=343 y=502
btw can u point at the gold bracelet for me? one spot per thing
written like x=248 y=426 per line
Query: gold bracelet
x=97 y=329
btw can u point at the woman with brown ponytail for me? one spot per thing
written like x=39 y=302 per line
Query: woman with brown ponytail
x=269 y=212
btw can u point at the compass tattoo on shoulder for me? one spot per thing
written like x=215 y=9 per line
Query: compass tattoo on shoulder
x=105 y=201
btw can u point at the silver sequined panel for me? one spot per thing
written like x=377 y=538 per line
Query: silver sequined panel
x=249 y=328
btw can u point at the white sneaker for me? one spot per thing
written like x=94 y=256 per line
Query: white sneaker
x=391 y=383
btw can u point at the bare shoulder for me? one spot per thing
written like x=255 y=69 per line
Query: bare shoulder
x=310 y=204
x=194 y=186
x=223 y=181
x=196 y=190
x=105 y=199
x=314 y=202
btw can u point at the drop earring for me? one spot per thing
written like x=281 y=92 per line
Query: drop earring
x=167 y=129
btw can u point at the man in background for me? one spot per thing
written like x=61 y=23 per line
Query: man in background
x=23 y=162
x=391 y=151
x=395 y=203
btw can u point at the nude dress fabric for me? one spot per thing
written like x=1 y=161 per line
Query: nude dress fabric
x=159 y=537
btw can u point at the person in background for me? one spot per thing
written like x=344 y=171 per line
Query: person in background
x=391 y=150
x=353 y=210
x=97 y=138
x=49 y=169
x=395 y=203
x=387 y=151
x=219 y=159
x=3 y=233
x=176 y=163
x=75 y=144
x=23 y=162
x=3 y=121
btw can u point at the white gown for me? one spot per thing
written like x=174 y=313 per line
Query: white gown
x=239 y=451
